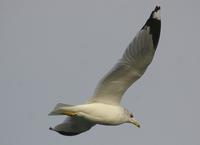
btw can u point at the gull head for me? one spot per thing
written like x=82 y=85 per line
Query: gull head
x=131 y=119
x=135 y=122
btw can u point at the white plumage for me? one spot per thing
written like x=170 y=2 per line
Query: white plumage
x=104 y=107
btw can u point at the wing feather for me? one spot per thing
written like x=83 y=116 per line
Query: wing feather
x=73 y=126
x=134 y=62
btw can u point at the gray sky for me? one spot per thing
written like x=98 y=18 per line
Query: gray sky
x=56 y=51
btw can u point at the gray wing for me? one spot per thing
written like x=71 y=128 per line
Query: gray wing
x=135 y=60
x=73 y=126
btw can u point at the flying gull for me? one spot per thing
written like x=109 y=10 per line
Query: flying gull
x=104 y=107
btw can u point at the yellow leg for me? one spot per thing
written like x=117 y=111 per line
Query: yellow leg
x=70 y=113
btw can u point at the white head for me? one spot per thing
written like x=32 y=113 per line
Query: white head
x=130 y=119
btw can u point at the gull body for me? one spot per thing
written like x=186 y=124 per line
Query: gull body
x=98 y=113
x=104 y=107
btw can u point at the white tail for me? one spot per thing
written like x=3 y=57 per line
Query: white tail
x=58 y=110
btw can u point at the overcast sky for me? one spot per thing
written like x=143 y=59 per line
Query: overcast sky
x=55 y=51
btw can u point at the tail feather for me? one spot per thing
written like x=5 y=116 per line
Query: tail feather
x=58 y=109
x=59 y=105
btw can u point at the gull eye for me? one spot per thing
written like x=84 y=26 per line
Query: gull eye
x=131 y=115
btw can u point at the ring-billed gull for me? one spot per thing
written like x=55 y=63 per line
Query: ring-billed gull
x=104 y=107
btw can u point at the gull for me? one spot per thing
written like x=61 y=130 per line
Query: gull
x=104 y=107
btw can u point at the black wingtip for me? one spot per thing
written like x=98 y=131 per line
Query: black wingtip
x=155 y=14
x=154 y=23
x=157 y=8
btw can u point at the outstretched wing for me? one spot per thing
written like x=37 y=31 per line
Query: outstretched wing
x=73 y=126
x=132 y=65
